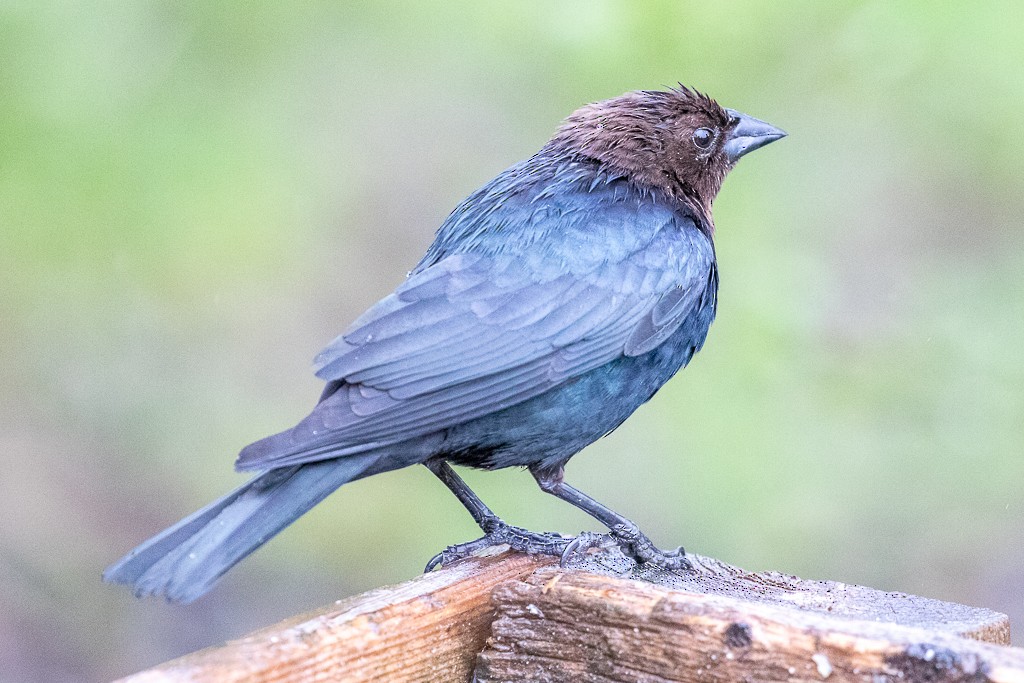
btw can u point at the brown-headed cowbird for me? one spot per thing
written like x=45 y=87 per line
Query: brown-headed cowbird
x=553 y=302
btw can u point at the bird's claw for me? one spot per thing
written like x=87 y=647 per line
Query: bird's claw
x=584 y=542
x=455 y=552
x=636 y=545
x=500 y=533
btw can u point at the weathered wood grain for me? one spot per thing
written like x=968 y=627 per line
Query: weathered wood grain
x=720 y=623
x=427 y=629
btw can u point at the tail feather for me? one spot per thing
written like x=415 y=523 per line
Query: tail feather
x=184 y=561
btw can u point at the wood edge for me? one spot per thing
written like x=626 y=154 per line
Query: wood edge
x=858 y=649
x=262 y=649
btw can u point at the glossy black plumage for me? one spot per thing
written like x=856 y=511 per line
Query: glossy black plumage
x=553 y=302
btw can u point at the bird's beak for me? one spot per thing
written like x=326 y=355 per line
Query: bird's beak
x=748 y=135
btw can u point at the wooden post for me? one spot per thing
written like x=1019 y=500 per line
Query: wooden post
x=510 y=617
x=426 y=629
x=723 y=624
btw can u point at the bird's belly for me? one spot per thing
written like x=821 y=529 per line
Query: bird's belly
x=549 y=429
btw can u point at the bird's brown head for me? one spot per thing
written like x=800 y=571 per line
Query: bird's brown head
x=678 y=140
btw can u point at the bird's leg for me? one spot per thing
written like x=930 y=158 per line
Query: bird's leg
x=481 y=514
x=496 y=531
x=631 y=540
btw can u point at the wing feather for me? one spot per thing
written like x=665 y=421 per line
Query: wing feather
x=469 y=335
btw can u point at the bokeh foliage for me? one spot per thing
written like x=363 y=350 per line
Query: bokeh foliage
x=196 y=196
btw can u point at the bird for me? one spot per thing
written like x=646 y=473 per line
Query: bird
x=552 y=303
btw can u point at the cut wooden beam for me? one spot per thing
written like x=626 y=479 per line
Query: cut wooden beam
x=511 y=617
x=427 y=629
x=720 y=623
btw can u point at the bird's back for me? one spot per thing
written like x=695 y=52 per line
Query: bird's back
x=545 y=275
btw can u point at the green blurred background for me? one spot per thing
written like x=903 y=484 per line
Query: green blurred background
x=196 y=196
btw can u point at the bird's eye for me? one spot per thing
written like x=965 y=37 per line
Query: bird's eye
x=703 y=137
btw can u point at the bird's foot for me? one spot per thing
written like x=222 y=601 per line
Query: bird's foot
x=500 y=533
x=633 y=544
x=628 y=537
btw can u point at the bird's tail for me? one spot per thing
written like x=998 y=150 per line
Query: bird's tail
x=184 y=561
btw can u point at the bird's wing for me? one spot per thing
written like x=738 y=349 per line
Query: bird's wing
x=472 y=334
